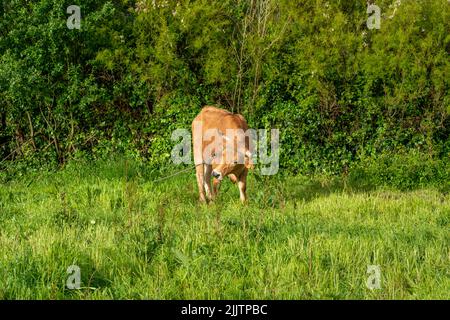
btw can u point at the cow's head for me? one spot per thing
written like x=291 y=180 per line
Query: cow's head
x=232 y=161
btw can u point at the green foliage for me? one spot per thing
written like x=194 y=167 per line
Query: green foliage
x=402 y=171
x=136 y=70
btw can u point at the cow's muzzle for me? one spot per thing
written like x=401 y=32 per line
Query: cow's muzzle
x=216 y=174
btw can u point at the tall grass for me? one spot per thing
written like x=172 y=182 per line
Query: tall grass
x=298 y=238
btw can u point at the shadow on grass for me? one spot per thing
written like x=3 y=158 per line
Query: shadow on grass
x=275 y=192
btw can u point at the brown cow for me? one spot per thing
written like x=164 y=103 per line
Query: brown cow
x=221 y=148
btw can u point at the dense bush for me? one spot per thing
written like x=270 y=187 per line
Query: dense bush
x=136 y=70
x=402 y=171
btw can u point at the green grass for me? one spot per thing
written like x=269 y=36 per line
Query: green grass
x=298 y=238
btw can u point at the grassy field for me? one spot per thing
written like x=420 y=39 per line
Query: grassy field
x=298 y=238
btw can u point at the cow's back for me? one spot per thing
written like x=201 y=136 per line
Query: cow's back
x=215 y=118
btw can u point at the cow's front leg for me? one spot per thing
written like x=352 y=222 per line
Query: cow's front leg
x=242 y=185
x=207 y=182
x=216 y=186
x=199 y=172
